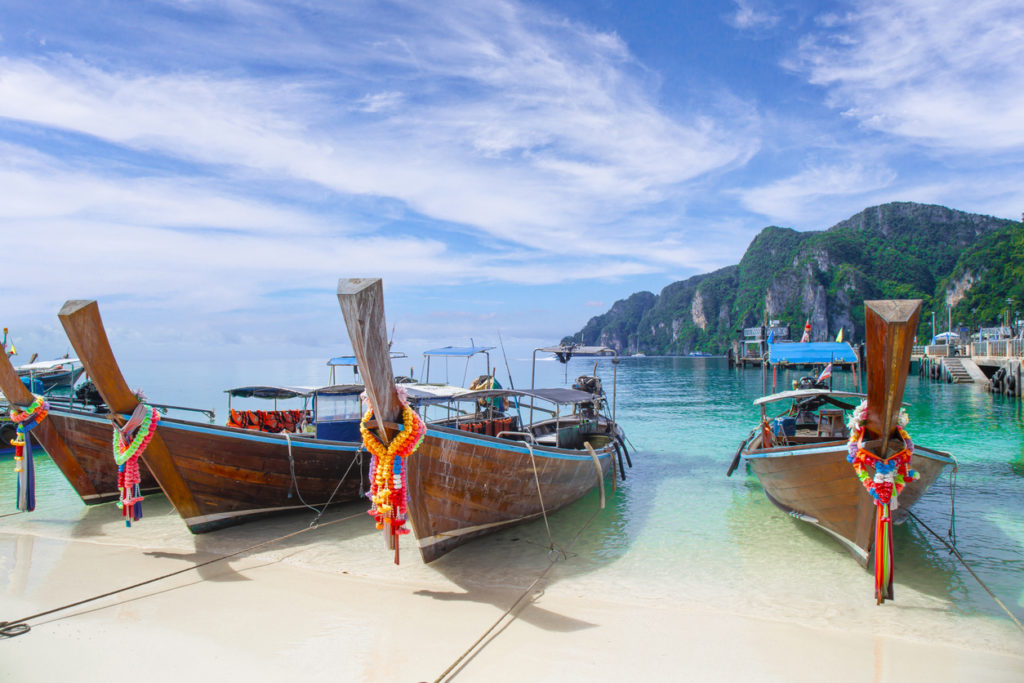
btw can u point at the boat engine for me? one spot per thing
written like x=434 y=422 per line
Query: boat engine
x=805 y=408
x=592 y=385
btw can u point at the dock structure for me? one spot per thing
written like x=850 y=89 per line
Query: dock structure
x=752 y=350
x=994 y=364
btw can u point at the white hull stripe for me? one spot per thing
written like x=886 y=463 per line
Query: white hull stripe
x=438 y=538
x=205 y=519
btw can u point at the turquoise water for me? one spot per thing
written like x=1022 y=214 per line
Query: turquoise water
x=677 y=529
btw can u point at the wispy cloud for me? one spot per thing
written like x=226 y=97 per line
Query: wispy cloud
x=269 y=148
x=789 y=200
x=945 y=73
x=753 y=15
x=500 y=118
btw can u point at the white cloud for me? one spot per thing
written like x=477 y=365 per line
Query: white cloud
x=944 y=72
x=791 y=200
x=498 y=118
x=749 y=15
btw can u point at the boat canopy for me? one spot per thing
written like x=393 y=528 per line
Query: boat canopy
x=797 y=394
x=458 y=351
x=43 y=365
x=557 y=395
x=945 y=337
x=817 y=353
x=270 y=391
x=350 y=361
x=426 y=394
x=340 y=390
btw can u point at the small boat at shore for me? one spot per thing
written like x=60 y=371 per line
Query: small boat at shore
x=48 y=375
x=479 y=470
x=850 y=470
x=217 y=476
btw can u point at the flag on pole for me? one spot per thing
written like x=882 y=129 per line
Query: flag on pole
x=771 y=337
x=826 y=373
x=807 y=333
x=839 y=337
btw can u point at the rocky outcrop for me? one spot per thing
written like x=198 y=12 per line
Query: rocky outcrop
x=898 y=250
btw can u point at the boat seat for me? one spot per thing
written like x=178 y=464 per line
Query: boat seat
x=831 y=423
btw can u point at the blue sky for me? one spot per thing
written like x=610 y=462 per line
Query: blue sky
x=208 y=170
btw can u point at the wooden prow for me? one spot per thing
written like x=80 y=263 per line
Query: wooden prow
x=45 y=433
x=362 y=304
x=84 y=327
x=890 y=328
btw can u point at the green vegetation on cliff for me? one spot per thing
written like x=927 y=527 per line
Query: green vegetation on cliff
x=898 y=250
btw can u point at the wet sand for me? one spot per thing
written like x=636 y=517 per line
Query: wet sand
x=329 y=605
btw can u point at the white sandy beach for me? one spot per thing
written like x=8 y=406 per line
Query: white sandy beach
x=329 y=605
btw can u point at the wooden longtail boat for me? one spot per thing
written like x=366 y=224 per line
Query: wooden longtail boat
x=78 y=442
x=465 y=483
x=800 y=457
x=218 y=476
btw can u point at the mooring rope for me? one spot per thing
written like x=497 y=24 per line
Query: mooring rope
x=10 y=629
x=11 y=514
x=295 y=482
x=543 y=510
x=952 y=502
x=523 y=595
x=968 y=568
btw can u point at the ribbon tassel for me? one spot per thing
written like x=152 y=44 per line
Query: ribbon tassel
x=388 y=477
x=129 y=443
x=24 y=466
x=890 y=476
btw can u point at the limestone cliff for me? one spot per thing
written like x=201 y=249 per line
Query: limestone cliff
x=898 y=250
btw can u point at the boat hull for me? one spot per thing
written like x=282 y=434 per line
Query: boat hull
x=464 y=485
x=237 y=475
x=816 y=484
x=88 y=438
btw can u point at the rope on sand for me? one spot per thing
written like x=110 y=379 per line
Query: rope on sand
x=968 y=568
x=10 y=629
x=479 y=644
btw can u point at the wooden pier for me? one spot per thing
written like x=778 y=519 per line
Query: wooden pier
x=996 y=365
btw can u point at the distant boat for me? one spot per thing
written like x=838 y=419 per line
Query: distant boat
x=800 y=457
x=484 y=470
x=699 y=354
x=44 y=376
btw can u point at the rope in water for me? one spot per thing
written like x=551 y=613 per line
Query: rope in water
x=559 y=555
x=968 y=568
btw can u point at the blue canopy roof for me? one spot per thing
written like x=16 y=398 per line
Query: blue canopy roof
x=460 y=351
x=811 y=352
x=351 y=360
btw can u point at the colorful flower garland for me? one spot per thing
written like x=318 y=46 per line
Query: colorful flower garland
x=891 y=475
x=23 y=465
x=388 y=479
x=143 y=423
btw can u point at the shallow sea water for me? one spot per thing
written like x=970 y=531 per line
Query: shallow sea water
x=677 y=531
